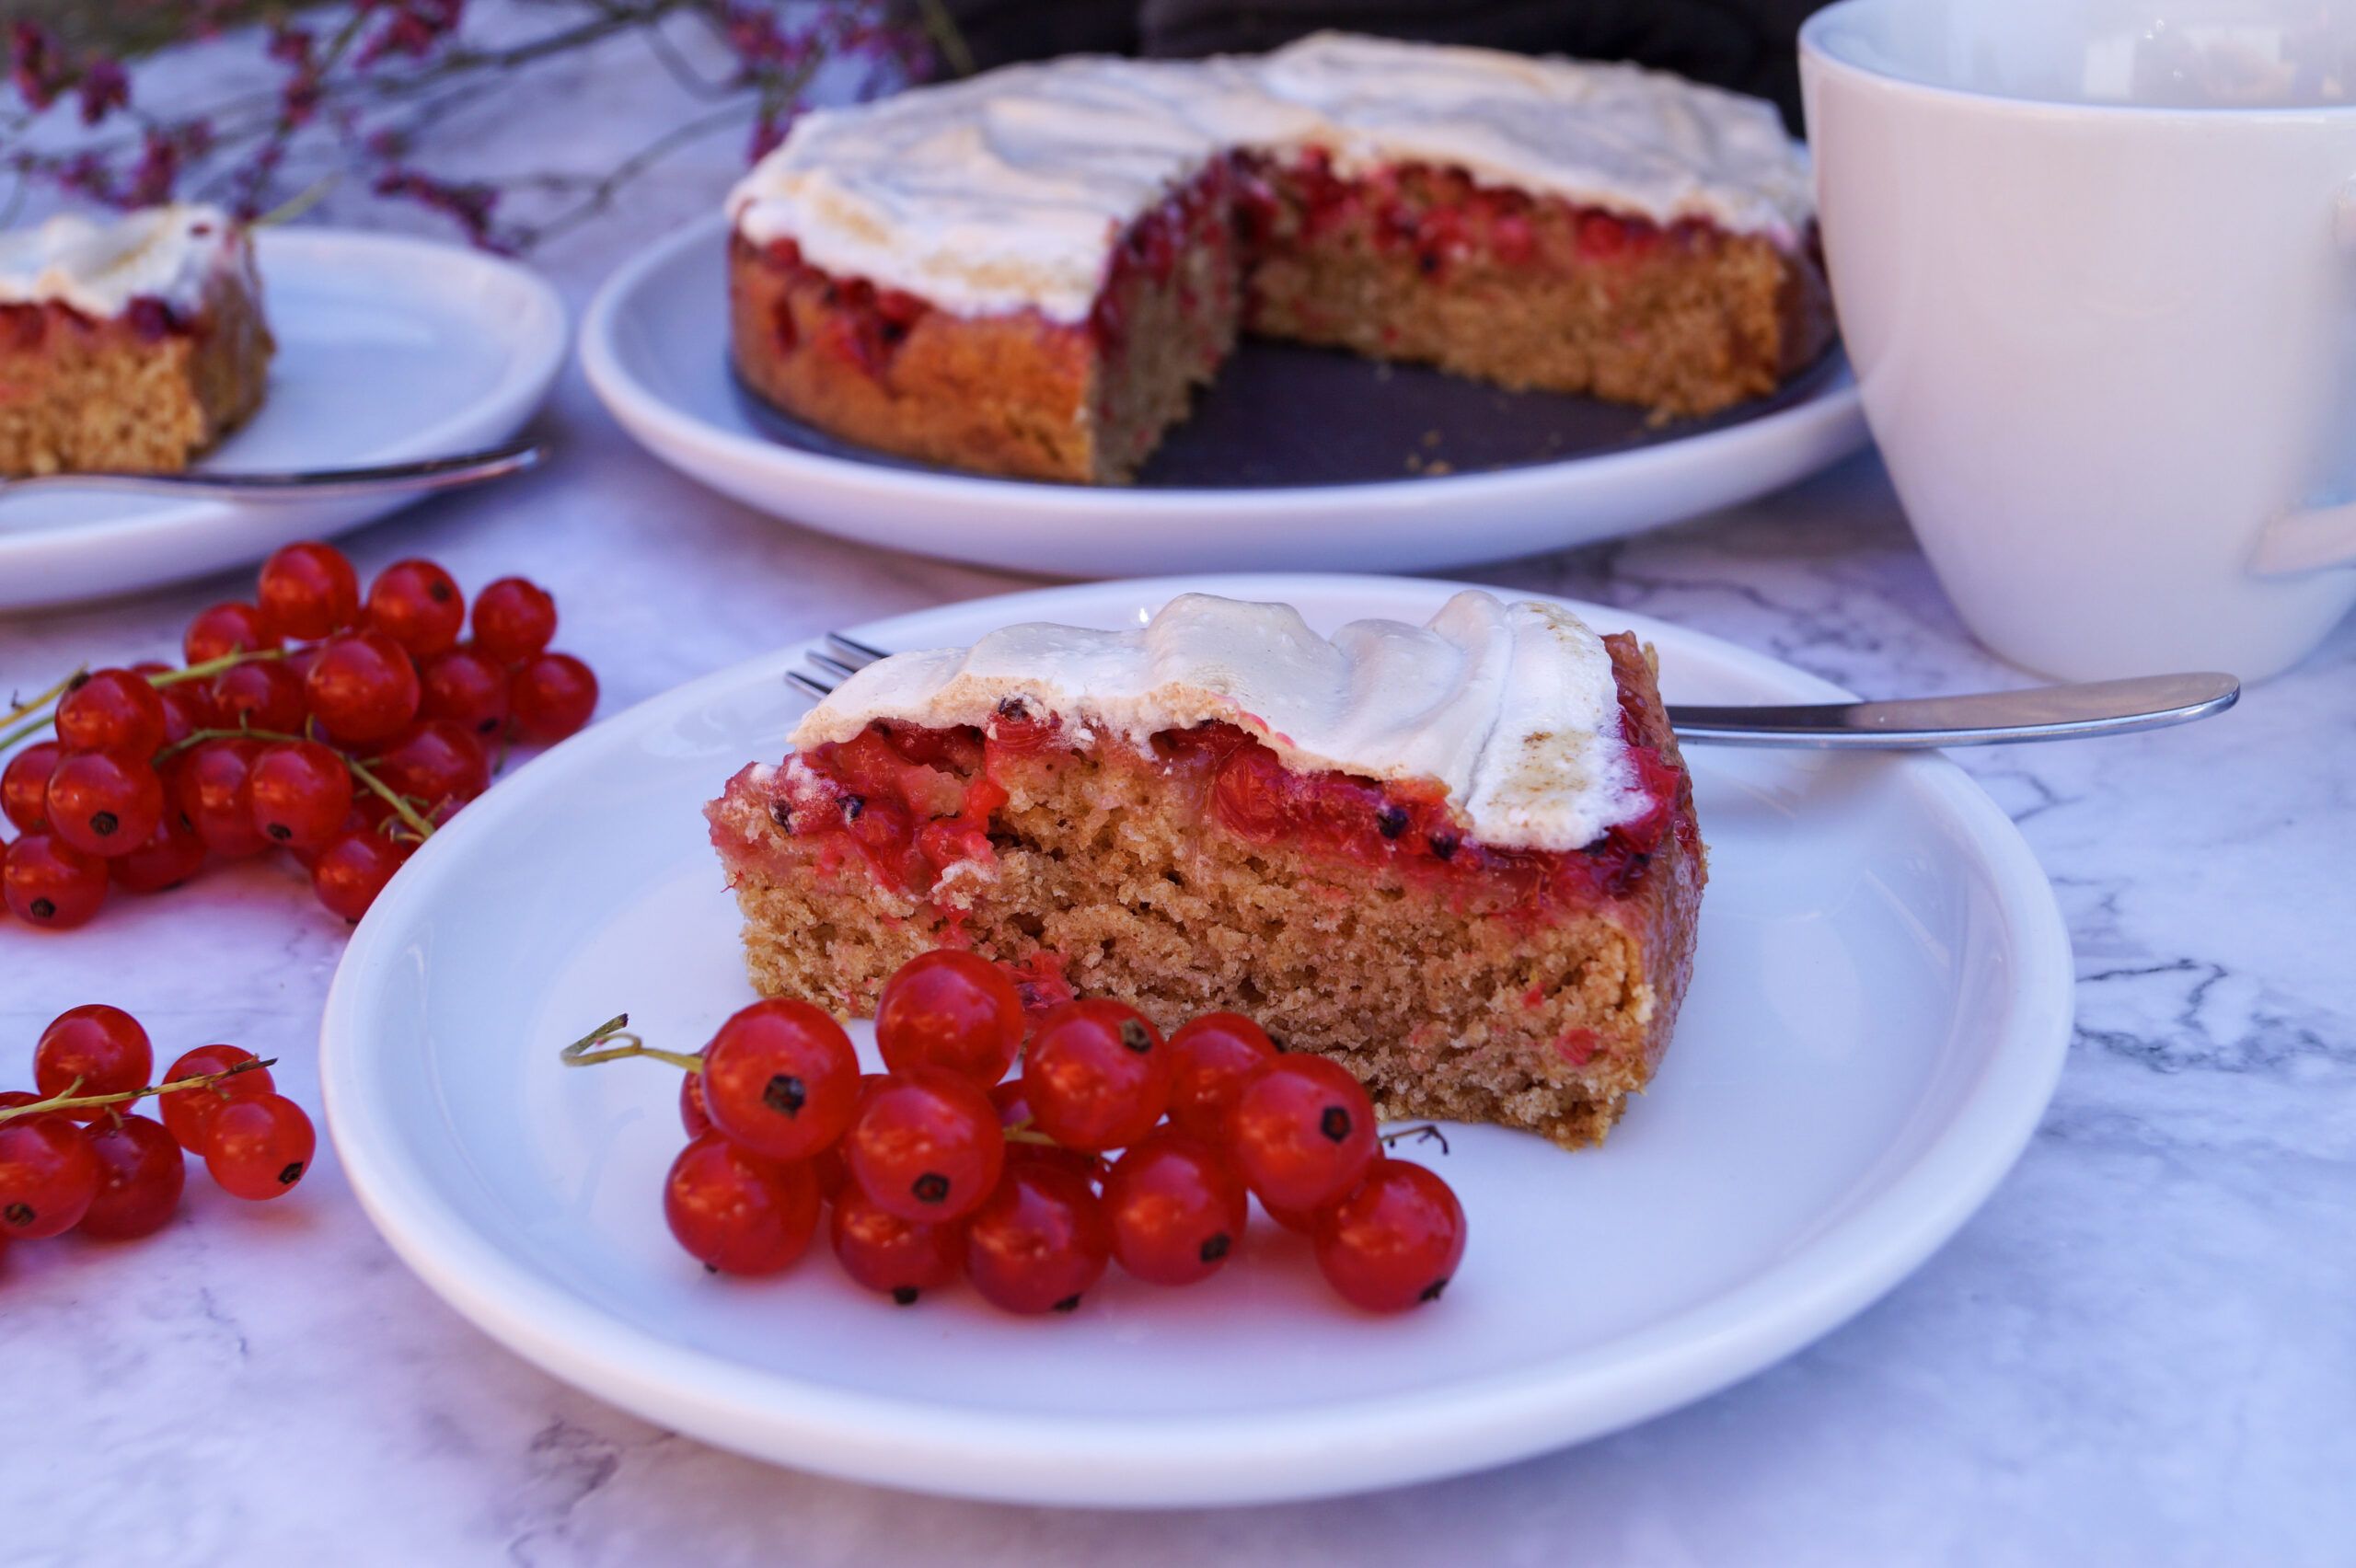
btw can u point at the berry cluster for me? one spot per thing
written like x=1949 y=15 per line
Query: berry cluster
x=1110 y=1143
x=72 y=1157
x=337 y=727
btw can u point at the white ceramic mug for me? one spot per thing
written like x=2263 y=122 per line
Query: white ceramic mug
x=2097 y=271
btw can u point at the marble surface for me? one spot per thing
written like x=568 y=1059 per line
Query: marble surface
x=2141 y=1351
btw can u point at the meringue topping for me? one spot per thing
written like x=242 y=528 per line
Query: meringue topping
x=168 y=253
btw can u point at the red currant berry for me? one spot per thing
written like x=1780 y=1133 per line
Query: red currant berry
x=1014 y=1112
x=212 y=786
x=832 y=1163
x=104 y=804
x=438 y=765
x=417 y=605
x=1097 y=1076
x=514 y=619
x=172 y=854
x=264 y=696
x=551 y=698
x=1177 y=1210
x=1303 y=1132
x=466 y=688
x=301 y=792
x=113 y=710
x=309 y=591
x=140 y=1172
x=232 y=627
x=926 y=1146
x=1395 y=1241
x=737 y=1213
x=362 y=688
x=1039 y=1242
x=258 y=1149
x=899 y=1258
x=1300 y=1222
x=188 y=1112
x=187 y=708
x=101 y=1049
x=1210 y=1058
x=780 y=1079
x=24 y=785
x=48 y=1176
x=953 y=1010
x=49 y=883
x=353 y=868
x=694 y=1115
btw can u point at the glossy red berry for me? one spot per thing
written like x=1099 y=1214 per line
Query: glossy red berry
x=362 y=688
x=1014 y=1113
x=266 y=695
x=780 y=1079
x=309 y=591
x=172 y=854
x=737 y=1213
x=113 y=710
x=92 y=1049
x=47 y=881
x=48 y=1176
x=259 y=1148
x=1392 y=1242
x=417 y=605
x=1176 y=1207
x=187 y=708
x=1039 y=1242
x=1097 y=1074
x=353 y=869
x=694 y=1115
x=301 y=792
x=140 y=1172
x=467 y=687
x=1210 y=1058
x=1303 y=1132
x=24 y=785
x=212 y=784
x=436 y=765
x=514 y=619
x=899 y=1258
x=926 y=1146
x=188 y=1112
x=551 y=698
x=232 y=627
x=102 y=803
x=948 y=1008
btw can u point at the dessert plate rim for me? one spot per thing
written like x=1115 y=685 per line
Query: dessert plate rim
x=146 y=542
x=1840 y=1261
x=1417 y=524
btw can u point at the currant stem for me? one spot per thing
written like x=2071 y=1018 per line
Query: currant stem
x=612 y=1041
x=43 y=707
x=1427 y=1132
x=42 y=700
x=360 y=770
x=69 y=1101
x=1023 y=1131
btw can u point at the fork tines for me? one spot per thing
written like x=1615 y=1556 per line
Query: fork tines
x=842 y=656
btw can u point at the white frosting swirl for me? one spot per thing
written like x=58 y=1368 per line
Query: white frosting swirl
x=1512 y=709
x=1009 y=190
x=169 y=253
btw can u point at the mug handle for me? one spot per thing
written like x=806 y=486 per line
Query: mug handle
x=2300 y=542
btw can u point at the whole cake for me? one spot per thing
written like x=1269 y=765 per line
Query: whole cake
x=1028 y=273
x=133 y=344
x=1460 y=858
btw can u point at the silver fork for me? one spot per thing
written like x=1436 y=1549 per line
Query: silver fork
x=1920 y=723
x=304 y=484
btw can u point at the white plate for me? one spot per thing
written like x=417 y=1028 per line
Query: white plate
x=388 y=347
x=653 y=346
x=1879 y=1011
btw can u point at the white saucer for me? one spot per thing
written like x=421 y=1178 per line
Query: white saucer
x=653 y=345
x=1881 y=1007
x=388 y=347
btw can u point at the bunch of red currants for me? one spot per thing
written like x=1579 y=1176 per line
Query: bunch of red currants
x=944 y=1166
x=73 y=1157
x=337 y=727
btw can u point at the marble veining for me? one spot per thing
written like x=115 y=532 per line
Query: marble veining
x=2139 y=1352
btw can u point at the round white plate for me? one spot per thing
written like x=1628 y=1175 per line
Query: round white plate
x=388 y=347
x=653 y=345
x=1879 y=1010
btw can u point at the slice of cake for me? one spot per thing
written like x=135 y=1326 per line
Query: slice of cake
x=1460 y=858
x=1029 y=272
x=133 y=344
